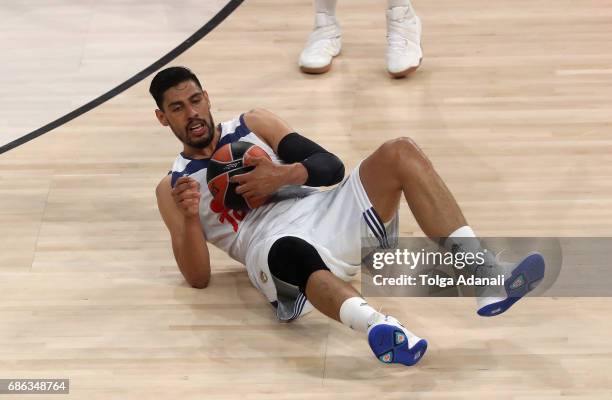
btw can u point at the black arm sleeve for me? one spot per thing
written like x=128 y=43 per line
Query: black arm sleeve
x=324 y=168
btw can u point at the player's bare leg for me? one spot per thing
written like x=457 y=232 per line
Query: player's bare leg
x=390 y=341
x=399 y=167
x=327 y=292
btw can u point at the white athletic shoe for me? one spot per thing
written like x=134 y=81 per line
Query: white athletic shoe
x=391 y=342
x=404 y=53
x=324 y=43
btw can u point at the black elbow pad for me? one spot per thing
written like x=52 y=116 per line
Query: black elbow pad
x=324 y=168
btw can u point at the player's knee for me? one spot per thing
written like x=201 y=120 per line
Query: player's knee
x=293 y=260
x=404 y=154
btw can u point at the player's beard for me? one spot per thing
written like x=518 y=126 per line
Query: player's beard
x=201 y=142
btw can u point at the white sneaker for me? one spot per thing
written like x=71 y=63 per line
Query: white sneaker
x=323 y=45
x=391 y=342
x=404 y=53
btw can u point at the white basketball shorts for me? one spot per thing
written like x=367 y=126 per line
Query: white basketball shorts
x=337 y=222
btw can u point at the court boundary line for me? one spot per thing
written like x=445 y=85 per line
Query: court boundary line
x=230 y=7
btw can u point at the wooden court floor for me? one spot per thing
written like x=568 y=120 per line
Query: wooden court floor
x=513 y=105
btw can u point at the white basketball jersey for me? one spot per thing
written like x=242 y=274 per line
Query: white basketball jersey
x=234 y=231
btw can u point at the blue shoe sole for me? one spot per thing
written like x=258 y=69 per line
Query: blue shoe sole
x=390 y=345
x=525 y=277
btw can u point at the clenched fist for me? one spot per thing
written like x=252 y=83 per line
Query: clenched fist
x=186 y=195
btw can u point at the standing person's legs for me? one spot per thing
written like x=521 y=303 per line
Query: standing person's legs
x=325 y=6
x=404 y=53
x=324 y=42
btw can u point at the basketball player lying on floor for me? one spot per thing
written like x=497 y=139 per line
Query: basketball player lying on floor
x=301 y=248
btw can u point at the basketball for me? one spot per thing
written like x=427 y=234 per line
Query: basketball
x=226 y=162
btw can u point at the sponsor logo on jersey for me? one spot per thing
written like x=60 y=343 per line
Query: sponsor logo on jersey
x=227 y=215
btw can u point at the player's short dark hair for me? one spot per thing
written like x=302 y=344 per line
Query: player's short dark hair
x=167 y=78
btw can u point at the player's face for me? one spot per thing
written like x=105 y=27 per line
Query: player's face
x=186 y=110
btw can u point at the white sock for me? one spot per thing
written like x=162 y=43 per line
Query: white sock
x=466 y=239
x=398 y=3
x=326 y=6
x=355 y=313
x=464 y=231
